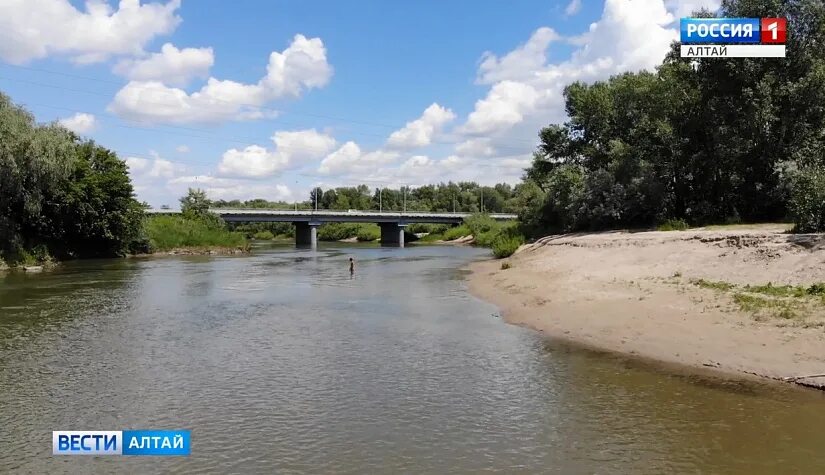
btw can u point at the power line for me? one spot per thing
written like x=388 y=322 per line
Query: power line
x=256 y=106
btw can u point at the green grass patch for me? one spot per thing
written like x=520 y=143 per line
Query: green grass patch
x=761 y=305
x=170 y=232
x=673 y=225
x=710 y=284
x=457 y=232
x=264 y=236
x=432 y=237
x=368 y=232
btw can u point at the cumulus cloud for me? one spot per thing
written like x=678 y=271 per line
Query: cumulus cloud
x=684 y=8
x=300 y=67
x=350 y=159
x=33 y=29
x=80 y=123
x=292 y=149
x=171 y=65
x=154 y=168
x=218 y=188
x=421 y=131
x=526 y=90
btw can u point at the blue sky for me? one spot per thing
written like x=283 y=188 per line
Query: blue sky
x=253 y=99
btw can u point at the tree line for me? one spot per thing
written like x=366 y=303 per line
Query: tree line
x=699 y=140
x=61 y=196
x=466 y=197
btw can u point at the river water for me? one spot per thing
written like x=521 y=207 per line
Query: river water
x=281 y=362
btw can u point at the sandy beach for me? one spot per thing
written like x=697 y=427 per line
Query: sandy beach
x=686 y=297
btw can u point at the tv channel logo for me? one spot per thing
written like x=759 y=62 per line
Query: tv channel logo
x=127 y=442
x=720 y=30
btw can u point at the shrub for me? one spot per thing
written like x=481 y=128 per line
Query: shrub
x=337 y=231
x=264 y=236
x=480 y=224
x=427 y=228
x=368 y=232
x=505 y=245
x=673 y=225
x=170 y=232
x=505 y=265
x=457 y=232
x=807 y=200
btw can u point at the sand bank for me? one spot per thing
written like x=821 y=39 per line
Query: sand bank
x=678 y=297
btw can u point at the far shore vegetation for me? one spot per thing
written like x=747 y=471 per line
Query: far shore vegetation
x=664 y=149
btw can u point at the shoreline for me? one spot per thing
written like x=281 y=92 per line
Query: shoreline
x=670 y=297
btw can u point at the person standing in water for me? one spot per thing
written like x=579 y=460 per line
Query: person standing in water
x=351 y=266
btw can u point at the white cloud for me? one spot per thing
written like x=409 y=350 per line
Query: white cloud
x=526 y=91
x=171 y=66
x=573 y=7
x=520 y=64
x=479 y=147
x=230 y=189
x=421 y=131
x=684 y=8
x=505 y=105
x=33 y=29
x=80 y=123
x=182 y=149
x=349 y=159
x=157 y=167
x=300 y=67
x=292 y=149
x=137 y=165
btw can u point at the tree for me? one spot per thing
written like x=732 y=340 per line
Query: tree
x=195 y=204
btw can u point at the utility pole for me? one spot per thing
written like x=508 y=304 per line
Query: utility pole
x=380 y=205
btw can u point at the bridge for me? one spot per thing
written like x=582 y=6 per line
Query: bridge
x=306 y=223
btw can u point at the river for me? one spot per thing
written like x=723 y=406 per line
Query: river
x=282 y=362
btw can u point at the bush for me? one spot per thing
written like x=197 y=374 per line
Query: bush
x=480 y=224
x=673 y=225
x=368 y=232
x=337 y=231
x=505 y=265
x=457 y=232
x=170 y=232
x=505 y=245
x=807 y=201
x=427 y=228
x=264 y=236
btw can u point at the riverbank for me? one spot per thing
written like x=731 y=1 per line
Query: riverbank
x=745 y=300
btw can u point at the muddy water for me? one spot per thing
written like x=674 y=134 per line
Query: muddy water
x=283 y=362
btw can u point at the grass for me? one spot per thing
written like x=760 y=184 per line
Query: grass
x=778 y=301
x=710 y=284
x=673 y=225
x=171 y=232
x=368 y=232
x=457 y=232
x=264 y=236
x=759 y=305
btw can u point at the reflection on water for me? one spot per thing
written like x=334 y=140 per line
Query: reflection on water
x=279 y=362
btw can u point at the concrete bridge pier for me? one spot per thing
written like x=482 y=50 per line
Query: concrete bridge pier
x=392 y=234
x=306 y=235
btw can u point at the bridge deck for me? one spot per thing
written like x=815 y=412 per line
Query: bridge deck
x=328 y=216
